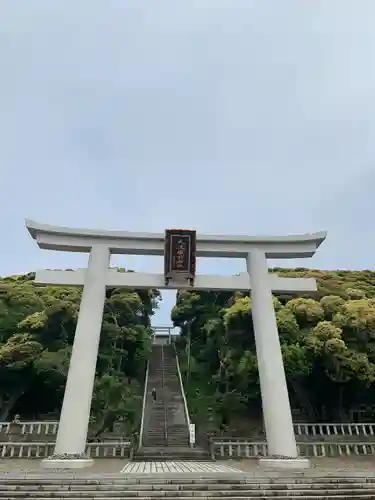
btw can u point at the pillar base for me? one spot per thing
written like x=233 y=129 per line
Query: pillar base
x=284 y=463
x=75 y=461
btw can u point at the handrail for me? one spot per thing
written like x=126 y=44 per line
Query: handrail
x=31 y=422
x=183 y=393
x=309 y=424
x=247 y=449
x=143 y=407
x=163 y=389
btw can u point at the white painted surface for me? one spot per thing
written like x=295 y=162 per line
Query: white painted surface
x=74 y=418
x=143 y=405
x=291 y=463
x=192 y=434
x=277 y=413
x=115 y=279
x=162 y=340
x=67 y=464
x=81 y=240
x=185 y=405
x=177 y=467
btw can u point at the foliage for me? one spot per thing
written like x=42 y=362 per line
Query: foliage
x=327 y=341
x=37 y=326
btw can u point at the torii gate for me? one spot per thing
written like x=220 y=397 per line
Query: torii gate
x=72 y=433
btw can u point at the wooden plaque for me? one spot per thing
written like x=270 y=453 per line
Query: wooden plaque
x=179 y=255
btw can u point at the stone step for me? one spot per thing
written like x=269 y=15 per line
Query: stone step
x=104 y=495
x=171 y=437
x=206 y=496
x=155 y=428
x=323 y=488
x=159 y=429
x=145 y=493
x=148 y=481
x=170 y=456
x=160 y=442
x=171 y=444
x=155 y=458
x=177 y=437
x=157 y=435
x=177 y=441
x=173 y=449
x=180 y=439
x=177 y=432
x=162 y=451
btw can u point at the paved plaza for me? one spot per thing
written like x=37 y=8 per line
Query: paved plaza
x=177 y=467
x=336 y=466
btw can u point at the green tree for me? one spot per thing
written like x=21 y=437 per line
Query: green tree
x=327 y=339
x=37 y=326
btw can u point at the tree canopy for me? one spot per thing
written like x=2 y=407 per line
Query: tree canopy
x=327 y=341
x=37 y=326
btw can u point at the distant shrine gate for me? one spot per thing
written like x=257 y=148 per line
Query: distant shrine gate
x=180 y=249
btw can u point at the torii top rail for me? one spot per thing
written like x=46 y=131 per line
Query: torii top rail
x=124 y=242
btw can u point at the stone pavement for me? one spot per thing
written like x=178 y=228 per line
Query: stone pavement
x=178 y=467
x=338 y=466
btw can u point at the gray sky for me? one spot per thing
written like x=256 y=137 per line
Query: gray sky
x=234 y=116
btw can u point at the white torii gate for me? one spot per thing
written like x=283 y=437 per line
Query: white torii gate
x=72 y=433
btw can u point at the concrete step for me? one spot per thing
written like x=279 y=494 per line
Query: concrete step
x=173 y=437
x=172 y=458
x=177 y=442
x=205 y=494
x=178 y=486
x=187 y=482
x=158 y=422
x=182 y=437
x=73 y=495
x=175 y=453
x=94 y=493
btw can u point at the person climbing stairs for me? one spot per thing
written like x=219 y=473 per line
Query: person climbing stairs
x=165 y=431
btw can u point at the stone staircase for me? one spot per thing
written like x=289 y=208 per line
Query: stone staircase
x=165 y=427
x=213 y=488
x=154 y=427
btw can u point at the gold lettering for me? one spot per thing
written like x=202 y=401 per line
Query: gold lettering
x=180 y=254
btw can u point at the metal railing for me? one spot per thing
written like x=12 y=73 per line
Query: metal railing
x=143 y=407
x=163 y=390
x=183 y=396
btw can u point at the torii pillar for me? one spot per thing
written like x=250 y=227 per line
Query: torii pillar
x=72 y=433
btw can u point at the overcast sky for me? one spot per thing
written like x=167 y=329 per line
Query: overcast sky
x=234 y=116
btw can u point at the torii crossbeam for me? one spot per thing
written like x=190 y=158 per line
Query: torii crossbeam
x=138 y=281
